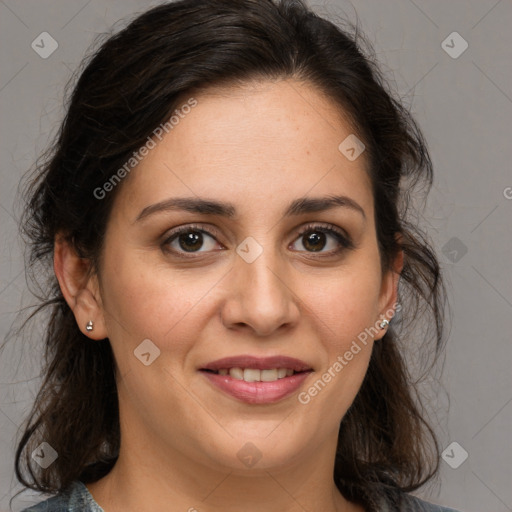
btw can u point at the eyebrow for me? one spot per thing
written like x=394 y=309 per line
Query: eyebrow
x=207 y=207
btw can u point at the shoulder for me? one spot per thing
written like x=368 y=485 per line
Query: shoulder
x=413 y=504
x=76 y=498
x=389 y=499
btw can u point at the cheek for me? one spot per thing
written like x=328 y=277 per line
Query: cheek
x=345 y=303
x=143 y=300
x=344 y=310
x=148 y=302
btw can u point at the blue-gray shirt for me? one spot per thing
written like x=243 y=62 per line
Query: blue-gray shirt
x=77 y=498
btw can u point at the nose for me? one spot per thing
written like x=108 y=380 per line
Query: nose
x=260 y=297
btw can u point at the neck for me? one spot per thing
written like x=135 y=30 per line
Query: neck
x=145 y=479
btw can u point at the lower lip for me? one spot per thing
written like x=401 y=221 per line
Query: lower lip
x=257 y=392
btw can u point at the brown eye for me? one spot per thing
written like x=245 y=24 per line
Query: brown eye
x=314 y=241
x=189 y=239
x=316 y=238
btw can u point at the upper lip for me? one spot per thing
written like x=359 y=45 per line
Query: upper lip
x=258 y=363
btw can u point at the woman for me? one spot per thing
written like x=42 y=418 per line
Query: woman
x=225 y=210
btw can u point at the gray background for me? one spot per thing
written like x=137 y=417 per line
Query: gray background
x=464 y=106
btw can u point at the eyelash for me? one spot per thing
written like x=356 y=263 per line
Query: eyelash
x=328 y=229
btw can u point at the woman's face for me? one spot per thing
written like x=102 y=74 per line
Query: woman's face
x=259 y=275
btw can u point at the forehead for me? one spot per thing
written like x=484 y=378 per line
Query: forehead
x=264 y=141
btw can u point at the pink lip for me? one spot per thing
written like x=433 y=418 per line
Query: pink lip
x=258 y=363
x=257 y=392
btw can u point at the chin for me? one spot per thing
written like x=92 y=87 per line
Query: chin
x=244 y=453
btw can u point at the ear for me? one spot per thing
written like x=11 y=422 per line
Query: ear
x=389 y=288
x=79 y=286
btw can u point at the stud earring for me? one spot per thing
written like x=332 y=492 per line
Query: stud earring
x=89 y=326
x=384 y=323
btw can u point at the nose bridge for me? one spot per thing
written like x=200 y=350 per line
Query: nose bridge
x=259 y=266
x=260 y=296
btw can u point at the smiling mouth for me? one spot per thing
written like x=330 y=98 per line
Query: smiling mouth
x=256 y=375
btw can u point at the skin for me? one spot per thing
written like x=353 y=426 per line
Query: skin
x=258 y=147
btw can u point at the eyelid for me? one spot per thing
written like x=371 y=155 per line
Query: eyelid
x=342 y=237
x=170 y=235
x=206 y=228
x=311 y=226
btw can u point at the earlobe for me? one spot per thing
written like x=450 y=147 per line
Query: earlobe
x=79 y=288
x=89 y=315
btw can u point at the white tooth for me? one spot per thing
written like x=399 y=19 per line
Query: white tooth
x=223 y=371
x=236 y=373
x=268 y=375
x=289 y=373
x=252 y=375
x=281 y=373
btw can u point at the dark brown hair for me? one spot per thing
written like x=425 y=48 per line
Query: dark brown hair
x=124 y=91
